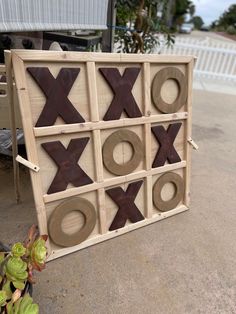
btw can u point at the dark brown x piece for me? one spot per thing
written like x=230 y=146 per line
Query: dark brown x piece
x=56 y=91
x=125 y=201
x=67 y=161
x=121 y=86
x=166 y=140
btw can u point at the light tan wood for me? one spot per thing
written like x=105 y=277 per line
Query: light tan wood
x=101 y=125
x=11 y=110
x=112 y=181
x=149 y=197
x=102 y=211
x=148 y=145
x=92 y=87
x=19 y=72
x=147 y=88
x=61 y=56
x=188 y=135
x=112 y=234
x=98 y=155
x=27 y=163
x=194 y=145
x=91 y=96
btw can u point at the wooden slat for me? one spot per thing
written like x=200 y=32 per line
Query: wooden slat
x=112 y=234
x=89 y=126
x=32 y=153
x=92 y=89
x=61 y=56
x=102 y=211
x=113 y=181
x=98 y=155
x=188 y=134
x=147 y=89
x=148 y=194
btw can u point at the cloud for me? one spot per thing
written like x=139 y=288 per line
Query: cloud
x=211 y=10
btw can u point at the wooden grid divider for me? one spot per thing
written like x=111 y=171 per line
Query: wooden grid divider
x=112 y=181
x=146 y=89
x=188 y=132
x=31 y=148
x=101 y=125
x=95 y=126
x=148 y=195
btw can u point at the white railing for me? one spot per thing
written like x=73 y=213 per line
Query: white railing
x=215 y=59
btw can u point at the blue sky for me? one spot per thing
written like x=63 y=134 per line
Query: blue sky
x=210 y=10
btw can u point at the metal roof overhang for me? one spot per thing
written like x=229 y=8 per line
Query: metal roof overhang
x=49 y=15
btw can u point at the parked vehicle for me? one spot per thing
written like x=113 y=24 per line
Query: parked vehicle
x=205 y=28
x=185 y=28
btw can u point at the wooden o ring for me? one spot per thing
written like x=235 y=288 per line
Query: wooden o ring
x=179 y=191
x=56 y=233
x=108 y=148
x=158 y=81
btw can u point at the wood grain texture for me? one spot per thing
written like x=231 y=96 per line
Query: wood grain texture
x=160 y=78
x=91 y=95
x=108 y=148
x=177 y=181
x=60 y=237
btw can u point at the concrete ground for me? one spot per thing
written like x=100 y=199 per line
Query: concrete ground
x=183 y=264
x=203 y=35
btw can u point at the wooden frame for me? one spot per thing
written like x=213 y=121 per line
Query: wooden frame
x=91 y=97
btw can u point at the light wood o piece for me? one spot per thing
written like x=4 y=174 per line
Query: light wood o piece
x=108 y=148
x=58 y=236
x=159 y=80
x=179 y=191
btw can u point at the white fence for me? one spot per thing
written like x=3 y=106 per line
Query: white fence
x=215 y=59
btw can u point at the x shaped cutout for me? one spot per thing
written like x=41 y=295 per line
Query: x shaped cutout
x=125 y=201
x=67 y=161
x=166 y=140
x=122 y=89
x=56 y=91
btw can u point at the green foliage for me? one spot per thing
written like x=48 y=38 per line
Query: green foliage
x=24 y=305
x=16 y=268
x=231 y=30
x=38 y=254
x=228 y=18
x=139 y=23
x=181 y=8
x=3 y=298
x=197 y=22
x=18 y=249
x=16 y=272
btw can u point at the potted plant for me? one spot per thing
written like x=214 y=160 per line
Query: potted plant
x=16 y=273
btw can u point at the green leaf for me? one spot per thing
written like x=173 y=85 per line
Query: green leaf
x=31 y=309
x=27 y=306
x=19 y=284
x=18 y=249
x=6 y=287
x=2 y=256
x=17 y=306
x=10 y=308
x=3 y=298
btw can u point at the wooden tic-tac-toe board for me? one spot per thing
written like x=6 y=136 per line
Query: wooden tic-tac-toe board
x=109 y=133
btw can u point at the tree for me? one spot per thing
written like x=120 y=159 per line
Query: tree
x=197 y=22
x=138 y=23
x=228 y=18
x=192 y=9
x=181 y=8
